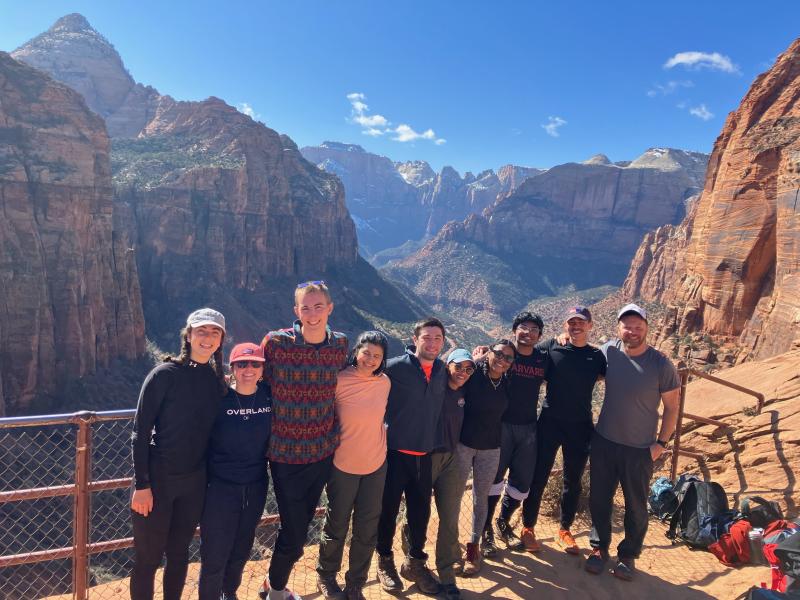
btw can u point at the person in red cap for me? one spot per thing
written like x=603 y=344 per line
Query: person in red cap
x=174 y=416
x=237 y=475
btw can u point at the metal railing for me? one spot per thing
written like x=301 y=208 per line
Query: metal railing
x=685 y=372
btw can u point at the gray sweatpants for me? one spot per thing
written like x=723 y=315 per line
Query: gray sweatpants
x=483 y=464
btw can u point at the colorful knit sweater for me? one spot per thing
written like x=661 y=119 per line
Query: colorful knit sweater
x=303 y=381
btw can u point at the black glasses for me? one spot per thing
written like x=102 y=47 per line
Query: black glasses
x=243 y=364
x=528 y=328
x=468 y=370
x=305 y=284
x=503 y=356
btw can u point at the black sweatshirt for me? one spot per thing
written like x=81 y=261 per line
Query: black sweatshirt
x=177 y=407
x=483 y=410
x=525 y=378
x=571 y=374
x=238 y=449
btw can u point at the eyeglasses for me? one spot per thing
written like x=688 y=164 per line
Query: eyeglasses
x=468 y=370
x=528 y=328
x=305 y=284
x=503 y=356
x=253 y=364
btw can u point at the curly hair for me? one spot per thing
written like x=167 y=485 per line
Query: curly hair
x=184 y=356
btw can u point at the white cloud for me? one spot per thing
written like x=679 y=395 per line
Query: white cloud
x=701 y=112
x=376 y=125
x=245 y=108
x=702 y=60
x=668 y=88
x=552 y=126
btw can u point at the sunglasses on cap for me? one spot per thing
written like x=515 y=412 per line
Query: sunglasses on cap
x=305 y=284
x=243 y=364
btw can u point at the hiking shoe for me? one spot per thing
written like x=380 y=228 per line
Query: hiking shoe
x=567 y=542
x=596 y=562
x=472 y=560
x=624 y=569
x=287 y=594
x=506 y=534
x=354 y=592
x=488 y=547
x=529 y=540
x=387 y=574
x=451 y=592
x=458 y=567
x=415 y=569
x=329 y=588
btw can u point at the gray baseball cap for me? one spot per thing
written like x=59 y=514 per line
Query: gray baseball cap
x=206 y=316
x=632 y=309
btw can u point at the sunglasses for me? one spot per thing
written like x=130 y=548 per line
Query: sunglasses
x=305 y=284
x=503 y=356
x=468 y=370
x=253 y=364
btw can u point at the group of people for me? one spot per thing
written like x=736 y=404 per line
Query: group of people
x=372 y=431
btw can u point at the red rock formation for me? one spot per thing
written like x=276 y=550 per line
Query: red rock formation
x=68 y=286
x=739 y=275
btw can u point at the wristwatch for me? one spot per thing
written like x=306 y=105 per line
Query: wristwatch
x=662 y=444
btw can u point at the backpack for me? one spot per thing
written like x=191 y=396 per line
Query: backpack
x=698 y=500
x=733 y=548
x=662 y=500
x=788 y=553
x=774 y=536
x=762 y=515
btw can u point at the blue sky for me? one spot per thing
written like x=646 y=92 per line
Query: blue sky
x=471 y=84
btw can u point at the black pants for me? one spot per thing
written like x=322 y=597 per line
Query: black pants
x=573 y=438
x=167 y=530
x=227 y=532
x=612 y=465
x=297 y=490
x=409 y=475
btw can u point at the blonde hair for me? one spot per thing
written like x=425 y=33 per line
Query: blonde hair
x=309 y=287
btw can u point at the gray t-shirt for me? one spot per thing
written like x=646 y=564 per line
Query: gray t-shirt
x=634 y=385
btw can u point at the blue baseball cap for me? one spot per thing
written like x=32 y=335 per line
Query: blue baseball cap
x=580 y=312
x=459 y=355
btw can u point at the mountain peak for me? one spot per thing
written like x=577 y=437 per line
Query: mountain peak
x=598 y=159
x=343 y=147
x=72 y=23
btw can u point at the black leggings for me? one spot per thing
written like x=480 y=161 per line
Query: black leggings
x=168 y=529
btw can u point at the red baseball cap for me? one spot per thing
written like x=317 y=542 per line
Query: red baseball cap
x=247 y=351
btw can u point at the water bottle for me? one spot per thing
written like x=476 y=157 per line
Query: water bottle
x=756 y=538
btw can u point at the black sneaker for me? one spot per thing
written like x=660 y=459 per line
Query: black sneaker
x=596 y=562
x=624 y=569
x=488 y=547
x=387 y=574
x=329 y=588
x=506 y=535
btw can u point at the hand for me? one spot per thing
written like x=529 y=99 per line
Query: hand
x=563 y=339
x=479 y=352
x=142 y=501
x=656 y=450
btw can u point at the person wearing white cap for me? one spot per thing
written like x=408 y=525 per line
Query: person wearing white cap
x=177 y=407
x=628 y=439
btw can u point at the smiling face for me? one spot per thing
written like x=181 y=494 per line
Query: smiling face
x=501 y=358
x=578 y=330
x=459 y=373
x=368 y=359
x=429 y=343
x=204 y=341
x=632 y=331
x=313 y=309
x=526 y=335
x=247 y=373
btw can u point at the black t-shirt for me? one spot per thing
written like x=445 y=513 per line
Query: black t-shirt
x=239 y=440
x=451 y=419
x=526 y=376
x=484 y=405
x=571 y=374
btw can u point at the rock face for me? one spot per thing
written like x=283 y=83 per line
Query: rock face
x=574 y=225
x=739 y=253
x=393 y=203
x=68 y=282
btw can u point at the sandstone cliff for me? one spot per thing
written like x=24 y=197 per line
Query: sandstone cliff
x=68 y=285
x=573 y=225
x=734 y=274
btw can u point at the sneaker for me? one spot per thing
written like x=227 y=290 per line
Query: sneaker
x=387 y=574
x=329 y=588
x=451 y=592
x=264 y=592
x=472 y=560
x=529 y=540
x=567 y=542
x=415 y=569
x=624 y=569
x=596 y=562
x=488 y=547
x=354 y=592
x=506 y=534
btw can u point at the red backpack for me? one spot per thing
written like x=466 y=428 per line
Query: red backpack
x=774 y=534
x=733 y=548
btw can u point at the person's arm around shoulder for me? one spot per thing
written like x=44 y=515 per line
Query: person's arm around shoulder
x=670 y=389
x=151 y=396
